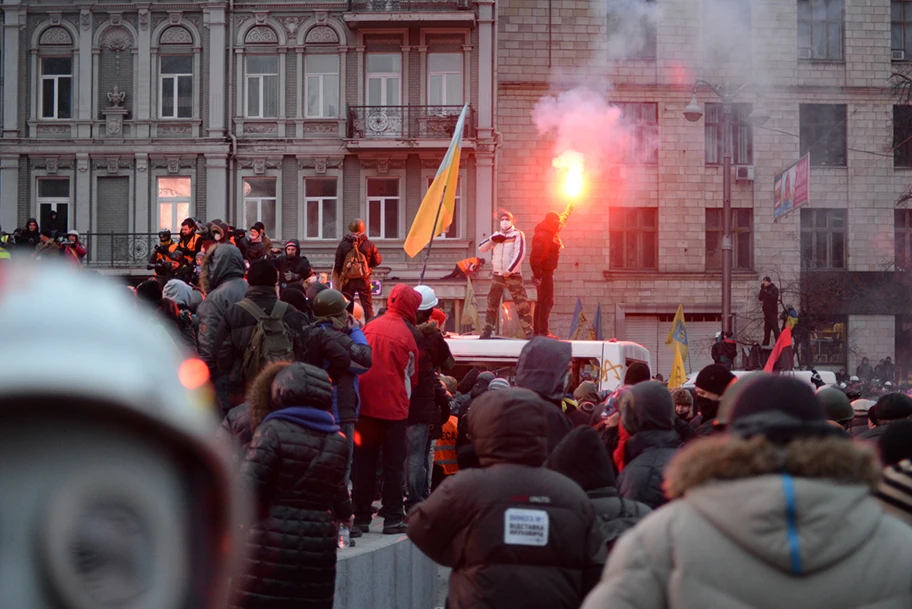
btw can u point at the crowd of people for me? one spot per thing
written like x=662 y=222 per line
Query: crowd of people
x=48 y=243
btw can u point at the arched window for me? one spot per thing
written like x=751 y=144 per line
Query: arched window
x=176 y=73
x=262 y=73
x=55 y=69
x=321 y=73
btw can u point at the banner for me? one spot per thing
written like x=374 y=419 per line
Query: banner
x=791 y=187
x=677 y=335
x=678 y=375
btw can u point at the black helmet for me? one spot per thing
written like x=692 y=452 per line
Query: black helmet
x=164 y=234
x=177 y=256
x=329 y=303
x=356 y=226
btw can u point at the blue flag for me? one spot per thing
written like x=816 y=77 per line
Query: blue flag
x=574 y=323
x=598 y=322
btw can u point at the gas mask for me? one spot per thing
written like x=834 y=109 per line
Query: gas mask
x=113 y=494
x=505 y=225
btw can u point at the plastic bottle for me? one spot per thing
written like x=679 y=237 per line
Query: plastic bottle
x=344 y=537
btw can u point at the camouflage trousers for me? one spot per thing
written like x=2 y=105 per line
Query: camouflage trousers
x=514 y=283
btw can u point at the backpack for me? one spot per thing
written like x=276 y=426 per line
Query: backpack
x=271 y=340
x=355 y=264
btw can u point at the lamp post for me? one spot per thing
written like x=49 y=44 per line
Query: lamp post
x=693 y=113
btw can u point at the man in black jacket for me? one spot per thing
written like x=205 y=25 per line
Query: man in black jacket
x=292 y=266
x=769 y=296
x=345 y=280
x=234 y=335
x=544 y=367
x=546 y=247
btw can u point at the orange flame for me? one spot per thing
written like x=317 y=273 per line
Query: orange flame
x=572 y=164
x=506 y=312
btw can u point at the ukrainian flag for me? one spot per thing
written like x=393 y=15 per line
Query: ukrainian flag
x=443 y=187
x=677 y=335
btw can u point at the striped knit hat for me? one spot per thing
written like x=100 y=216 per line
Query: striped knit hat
x=498 y=384
x=895 y=490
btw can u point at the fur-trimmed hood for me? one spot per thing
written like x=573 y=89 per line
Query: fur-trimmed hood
x=222 y=262
x=789 y=506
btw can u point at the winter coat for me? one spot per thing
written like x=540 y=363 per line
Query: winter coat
x=864 y=371
x=647 y=455
x=346 y=401
x=297 y=265
x=387 y=387
x=429 y=401
x=29 y=239
x=764 y=527
x=546 y=245
x=256 y=250
x=463 y=524
x=235 y=427
x=582 y=458
x=508 y=254
x=222 y=280
x=290 y=556
x=541 y=369
x=769 y=296
x=368 y=250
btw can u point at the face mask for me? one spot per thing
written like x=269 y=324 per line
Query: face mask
x=707 y=407
x=505 y=225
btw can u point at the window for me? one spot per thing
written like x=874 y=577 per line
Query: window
x=54 y=196
x=56 y=87
x=453 y=232
x=820 y=29
x=742 y=238
x=384 y=71
x=902 y=136
x=823 y=238
x=632 y=238
x=262 y=86
x=322 y=82
x=445 y=79
x=823 y=134
x=176 y=86
x=901 y=30
x=383 y=208
x=321 y=208
x=173 y=202
x=260 y=203
x=742 y=134
x=826 y=342
x=642 y=121
x=631 y=29
x=902 y=242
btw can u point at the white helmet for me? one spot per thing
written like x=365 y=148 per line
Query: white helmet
x=862 y=405
x=428 y=297
x=108 y=445
x=73 y=233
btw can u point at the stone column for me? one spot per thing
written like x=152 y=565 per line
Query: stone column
x=11 y=60
x=141 y=196
x=217 y=186
x=484 y=195
x=83 y=197
x=217 y=72
x=83 y=78
x=486 y=93
x=9 y=191
x=142 y=105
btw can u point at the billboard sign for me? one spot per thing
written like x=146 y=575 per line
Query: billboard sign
x=790 y=188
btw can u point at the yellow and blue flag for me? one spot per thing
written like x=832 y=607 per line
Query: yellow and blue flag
x=678 y=374
x=443 y=187
x=677 y=336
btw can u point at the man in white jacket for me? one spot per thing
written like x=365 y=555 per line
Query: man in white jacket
x=509 y=248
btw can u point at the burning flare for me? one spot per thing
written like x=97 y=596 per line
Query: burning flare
x=571 y=163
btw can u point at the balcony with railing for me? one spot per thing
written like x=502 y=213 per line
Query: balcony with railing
x=119 y=250
x=366 y=12
x=423 y=126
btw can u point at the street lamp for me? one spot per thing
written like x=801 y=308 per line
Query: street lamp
x=693 y=112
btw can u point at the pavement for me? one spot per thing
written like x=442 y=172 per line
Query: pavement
x=385 y=572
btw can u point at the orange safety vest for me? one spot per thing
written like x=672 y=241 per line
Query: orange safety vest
x=445 y=449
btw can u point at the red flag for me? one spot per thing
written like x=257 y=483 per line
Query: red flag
x=784 y=342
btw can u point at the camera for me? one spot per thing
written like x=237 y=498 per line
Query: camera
x=239 y=233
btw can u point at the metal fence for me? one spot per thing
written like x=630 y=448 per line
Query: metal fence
x=119 y=250
x=407 y=122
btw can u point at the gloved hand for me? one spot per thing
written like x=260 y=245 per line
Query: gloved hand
x=536 y=281
x=498 y=238
x=289 y=276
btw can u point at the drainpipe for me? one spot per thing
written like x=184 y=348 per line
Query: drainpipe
x=232 y=155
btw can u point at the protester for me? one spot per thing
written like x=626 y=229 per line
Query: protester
x=836 y=406
x=776 y=514
x=769 y=297
x=189 y=244
x=294 y=466
x=258 y=244
x=385 y=390
x=582 y=458
x=509 y=248
x=587 y=400
x=292 y=266
x=356 y=259
x=711 y=383
x=150 y=292
x=544 y=367
x=546 y=248
x=864 y=371
x=499 y=384
x=515 y=534
x=648 y=419
x=73 y=249
x=860 y=423
x=724 y=350
x=683 y=402
x=889 y=409
x=31 y=236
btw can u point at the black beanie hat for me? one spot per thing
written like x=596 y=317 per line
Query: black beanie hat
x=893 y=406
x=262 y=273
x=896 y=443
x=149 y=291
x=582 y=457
x=714 y=379
x=295 y=298
x=638 y=372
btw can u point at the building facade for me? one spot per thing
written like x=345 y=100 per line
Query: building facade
x=647 y=238
x=125 y=118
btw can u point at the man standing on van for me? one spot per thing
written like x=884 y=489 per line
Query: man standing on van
x=356 y=258
x=546 y=247
x=509 y=247
x=769 y=296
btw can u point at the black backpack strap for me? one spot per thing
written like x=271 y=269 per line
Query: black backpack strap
x=249 y=306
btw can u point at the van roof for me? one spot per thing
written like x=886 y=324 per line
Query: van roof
x=509 y=348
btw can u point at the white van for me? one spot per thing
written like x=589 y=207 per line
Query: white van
x=826 y=376
x=604 y=361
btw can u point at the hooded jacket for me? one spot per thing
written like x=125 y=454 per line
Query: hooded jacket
x=582 y=457
x=368 y=250
x=542 y=367
x=346 y=401
x=546 y=245
x=30 y=238
x=429 y=402
x=762 y=526
x=647 y=414
x=297 y=265
x=387 y=387
x=508 y=254
x=516 y=535
x=222 y=280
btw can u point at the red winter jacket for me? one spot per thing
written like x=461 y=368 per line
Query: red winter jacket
x=386 y=388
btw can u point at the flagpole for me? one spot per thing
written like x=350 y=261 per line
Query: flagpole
x=427 y=254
